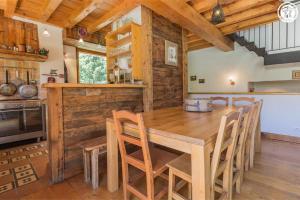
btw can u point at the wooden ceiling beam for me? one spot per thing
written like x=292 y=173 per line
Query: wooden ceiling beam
x=205 y=5
x=194 y=41
x=250 y=23
x=78 y=15
x=199 y=46
x=10 y=7
x=250 y=14
x=113 y=15
x=183 y=14
x=239 y=6
x=50 y=7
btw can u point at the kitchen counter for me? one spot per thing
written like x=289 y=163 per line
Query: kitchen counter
x=78 y=112
x=248 y=93
x=79 y=85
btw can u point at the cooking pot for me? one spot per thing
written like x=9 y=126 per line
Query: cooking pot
x=7 y=89
x=28 y=90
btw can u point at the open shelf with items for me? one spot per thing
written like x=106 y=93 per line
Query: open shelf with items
x=21 y=56
x=125 y=42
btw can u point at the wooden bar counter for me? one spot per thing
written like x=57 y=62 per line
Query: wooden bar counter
x=77 y=112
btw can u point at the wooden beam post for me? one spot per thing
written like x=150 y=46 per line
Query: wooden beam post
x=146 y=56
x=10 y=7
x=50 y=7
x=185 y=63
x=183 y=14
x=55 y=134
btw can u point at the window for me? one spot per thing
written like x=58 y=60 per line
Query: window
x=92 y=68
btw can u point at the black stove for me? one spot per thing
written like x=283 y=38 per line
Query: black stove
x=21 y=119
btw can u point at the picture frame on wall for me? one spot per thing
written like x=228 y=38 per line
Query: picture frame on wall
x=296 y=75
x=171 y=53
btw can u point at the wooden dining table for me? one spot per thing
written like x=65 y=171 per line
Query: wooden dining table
x=189 y=132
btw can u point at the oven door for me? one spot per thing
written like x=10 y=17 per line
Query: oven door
x=33 y=119
x=11 y=122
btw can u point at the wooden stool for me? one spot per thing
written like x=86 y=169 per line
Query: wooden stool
x=91 y=150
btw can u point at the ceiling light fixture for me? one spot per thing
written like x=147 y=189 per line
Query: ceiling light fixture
x=82 y=32
x=217 y=16
x=46 y=33
x=81 y=41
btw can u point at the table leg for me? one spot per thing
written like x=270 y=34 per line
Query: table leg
x=200 y=172
x=112 y=158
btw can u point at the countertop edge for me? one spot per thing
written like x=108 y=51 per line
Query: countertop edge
x=75 y=85
x=247 y=93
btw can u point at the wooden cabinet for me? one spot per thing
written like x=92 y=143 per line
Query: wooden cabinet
x=14 y=33
x=125 y=42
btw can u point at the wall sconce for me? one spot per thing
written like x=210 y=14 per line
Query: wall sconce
x=231 y=81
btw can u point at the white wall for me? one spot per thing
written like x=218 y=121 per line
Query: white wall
x=244 y=66
x=280 y=113
x=70 y=56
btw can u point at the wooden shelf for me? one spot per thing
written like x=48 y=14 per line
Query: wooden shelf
x=134 y=38
x=121 y=54
x=122 y=30
x=21 y=56
x=120 y=42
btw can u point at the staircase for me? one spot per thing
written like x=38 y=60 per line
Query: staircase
x=249 y=45
x=277 y=42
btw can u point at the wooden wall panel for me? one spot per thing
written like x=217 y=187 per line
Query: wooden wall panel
x=13 y=32
x=167 y=79
x=84 y=113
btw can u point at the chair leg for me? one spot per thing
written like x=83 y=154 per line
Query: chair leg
x=87 y=166
x=95 y=167
x=239 y=166
x=258 y=138
x=252 y=154
x=171 y=184
x=190 y=191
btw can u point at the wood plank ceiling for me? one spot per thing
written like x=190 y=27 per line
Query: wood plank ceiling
x=193 y=15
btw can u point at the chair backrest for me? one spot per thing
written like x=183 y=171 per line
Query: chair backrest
x=246 y=122
x=254 y=119
x=242 y=99
x=139 y=140
x=225 y=99
x=225 y=144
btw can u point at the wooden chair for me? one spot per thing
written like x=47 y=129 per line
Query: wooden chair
x=221 y=163
x=250 y=141
x=239 y=155
x=152 y=161
x=225 y=99
x=242 y=99
x=91 y=150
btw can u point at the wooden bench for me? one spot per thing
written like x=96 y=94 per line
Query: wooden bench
x=91 y=149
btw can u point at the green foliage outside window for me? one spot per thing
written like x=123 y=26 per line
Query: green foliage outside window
x=92 y=68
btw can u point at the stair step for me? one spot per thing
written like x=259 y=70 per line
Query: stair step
x=249 y=45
